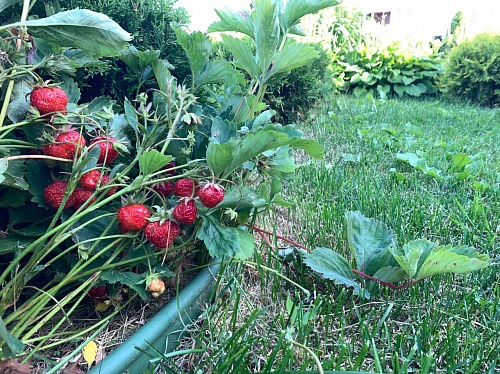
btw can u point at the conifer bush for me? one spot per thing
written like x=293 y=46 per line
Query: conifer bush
x=473 y=70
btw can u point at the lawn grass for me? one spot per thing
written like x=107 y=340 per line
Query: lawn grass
x=262 y=322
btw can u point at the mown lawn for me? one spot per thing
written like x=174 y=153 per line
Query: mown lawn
x=449 y=193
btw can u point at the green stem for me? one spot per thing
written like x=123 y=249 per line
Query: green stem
x=311 y=353
x=10 y=87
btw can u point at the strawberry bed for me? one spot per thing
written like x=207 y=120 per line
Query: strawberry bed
x=104 y=200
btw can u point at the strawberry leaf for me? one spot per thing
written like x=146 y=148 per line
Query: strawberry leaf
x=151 y=161
x=422 y=258
x=223 y=241
x=369 y=241
x=129 y=279
x=103 y=36
x=10 y=345
x=333 y=266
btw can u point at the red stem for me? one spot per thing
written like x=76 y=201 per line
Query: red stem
x=387 y=284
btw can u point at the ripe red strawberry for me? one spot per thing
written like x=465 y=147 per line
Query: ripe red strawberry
x=168 y=167
x=108 y=152
x=185 y=211
x=81 y=196
x=165 y=188
x=66 y=145
x=105 y=180
x=162 y=234
x=97 y=291
x=133 y=217
x=91 y=179
x=53 y=195
x=49 y=99
x=185 y=187
x=211 y=194
x=156 y=286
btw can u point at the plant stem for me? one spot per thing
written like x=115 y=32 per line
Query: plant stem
x=311 y=353
x=10 y=87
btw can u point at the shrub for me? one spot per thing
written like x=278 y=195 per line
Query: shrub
x=387 y=71
x=151 y=23
x=293 y=96
x=473 y=70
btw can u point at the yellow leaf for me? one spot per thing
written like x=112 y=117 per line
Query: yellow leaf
x=90 y=352
x=102 y=306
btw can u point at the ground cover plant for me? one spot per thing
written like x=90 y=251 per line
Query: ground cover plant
x=449 y=323
x=112 y=187
x=122 y=193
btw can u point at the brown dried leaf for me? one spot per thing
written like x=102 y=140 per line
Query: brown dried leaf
x=14 y=367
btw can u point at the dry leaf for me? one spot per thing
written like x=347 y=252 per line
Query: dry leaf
x=102 y=306
x=90 y=352
x=14 y=367
x=73 y=368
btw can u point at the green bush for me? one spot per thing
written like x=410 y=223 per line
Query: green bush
x=387 y=71
x=298 y=92
x=473 y=70
x=150 y=22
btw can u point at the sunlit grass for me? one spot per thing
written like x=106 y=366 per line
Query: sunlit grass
x=446 y=324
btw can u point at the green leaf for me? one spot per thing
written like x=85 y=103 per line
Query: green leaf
x=266 y=32
x=390 y=274
x=14 y=242
x=459 y=161
x=162 y=73
x=399 y=89
x=232 y=21
x=130 y=114
x=4 y=4
x=333 y=266
x=369 y=241
x=14 y=175
x=198 y=48
x=94 y=33
x=216 y=72
x=247 y=245
x=151 y=161
x=19 y=103
x=419 y=163
x=413 y=90
x=128 y=278
x=296 y=9
x=293 y=55
x=223 y=130
x=225 y=158
x=220 y=241
x=237 y=197
x=90 y=227
x=3 y=168
x=243 y=53
x=422 y=258
x=10 y=345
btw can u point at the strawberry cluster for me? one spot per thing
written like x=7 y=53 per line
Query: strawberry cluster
x=163 y=229
x=67 y=143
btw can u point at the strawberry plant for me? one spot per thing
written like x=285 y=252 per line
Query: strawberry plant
x=378 y=260
x=93 y=211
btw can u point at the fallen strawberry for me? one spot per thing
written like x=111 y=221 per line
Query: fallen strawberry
x=97 y=291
